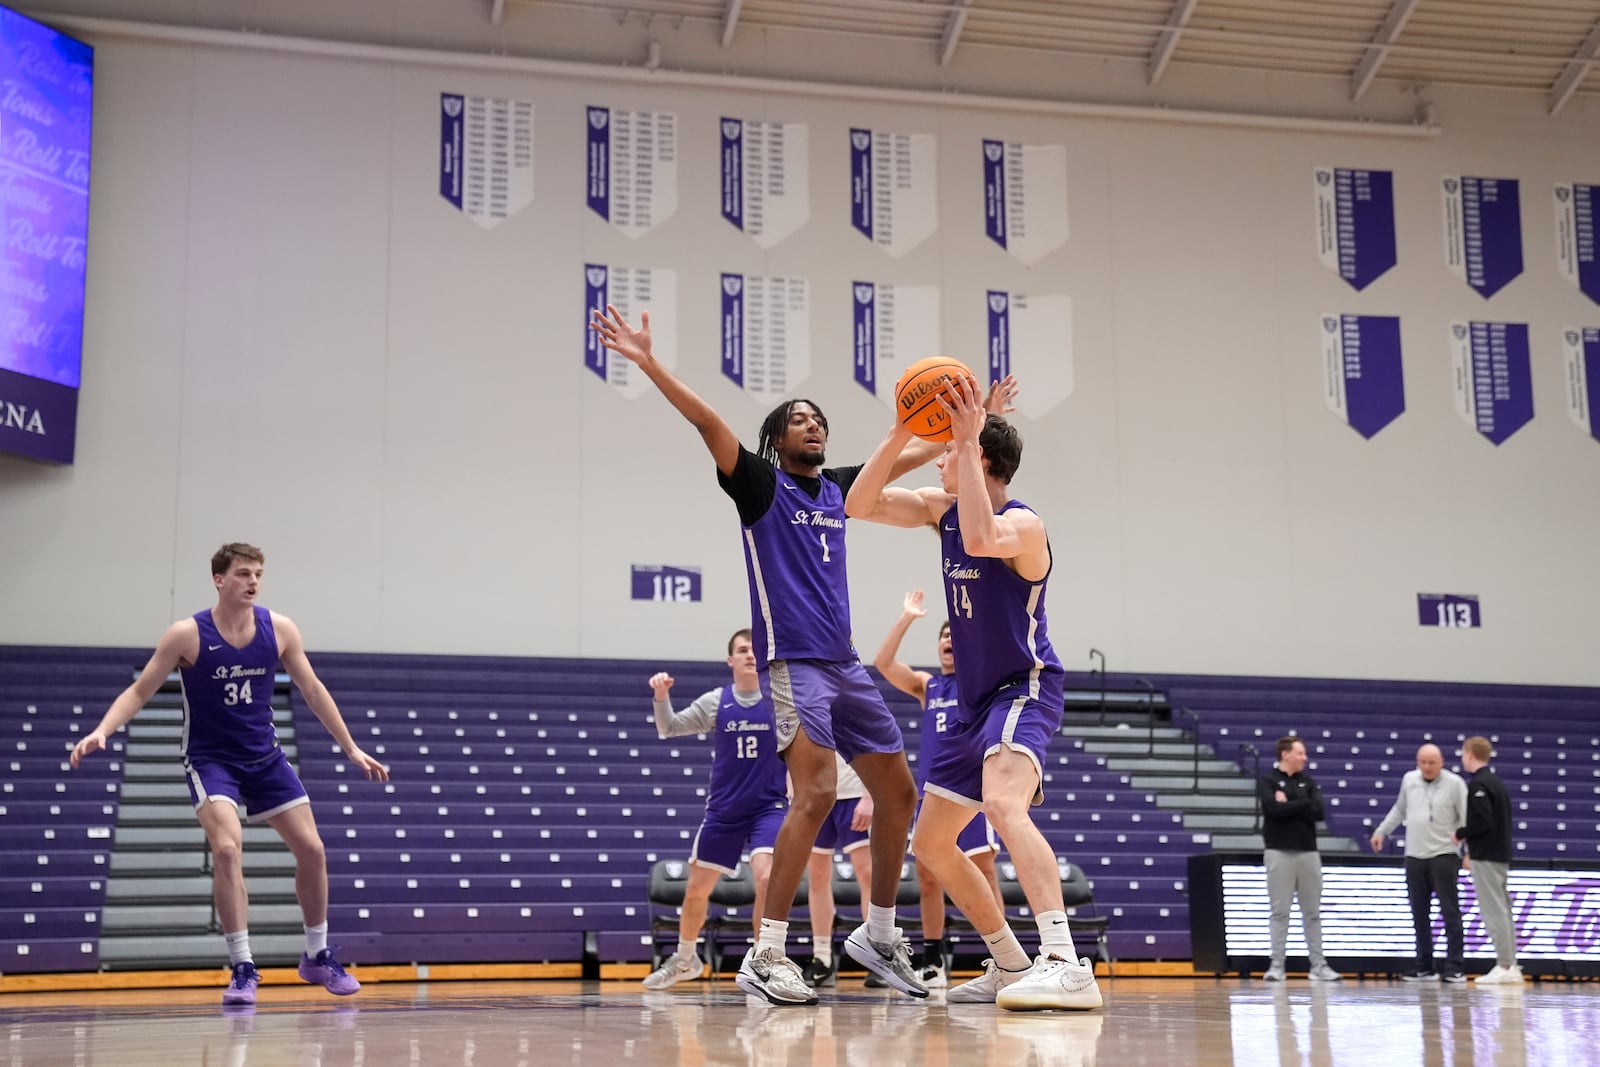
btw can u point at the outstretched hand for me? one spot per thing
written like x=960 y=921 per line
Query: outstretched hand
x=1002 y=396
x=374 y=770
x=94 y=742
x=615 y=333
x=913 y=604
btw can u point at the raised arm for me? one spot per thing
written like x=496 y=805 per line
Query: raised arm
x=873 y=498
x=1018 y=535
x=699 y=717
x=634 y=346
x=917 y=452
x=292 y=651
x=910 y=682
x=181 y=643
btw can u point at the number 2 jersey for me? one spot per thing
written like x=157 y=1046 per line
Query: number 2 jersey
x=997 y=625
x=227 y=695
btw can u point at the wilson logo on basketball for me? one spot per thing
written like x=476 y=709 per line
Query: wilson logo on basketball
x=912 y=397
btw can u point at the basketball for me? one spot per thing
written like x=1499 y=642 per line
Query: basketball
x=916 y=396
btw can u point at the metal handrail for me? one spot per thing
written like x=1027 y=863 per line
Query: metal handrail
x=1149 y=714
x=1244 y=747
x=1196 y=720
x=1093 y=652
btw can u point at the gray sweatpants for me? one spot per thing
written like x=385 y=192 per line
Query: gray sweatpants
x=1494 y=902
x=1291 y=874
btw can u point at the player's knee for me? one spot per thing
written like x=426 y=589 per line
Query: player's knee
x=1007 y=812
x=812 y=802
x=309 y=850
x=226 y=856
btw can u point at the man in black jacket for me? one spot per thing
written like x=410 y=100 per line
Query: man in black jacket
x=1291 y=807
x=1487 y=836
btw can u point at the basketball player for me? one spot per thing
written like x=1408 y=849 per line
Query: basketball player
x=940 y=713
x=846 y=829
x=228 y=656
x=996 y=560
x=791 y=509
x=746 y=801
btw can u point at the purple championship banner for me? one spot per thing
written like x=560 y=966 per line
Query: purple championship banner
x=1575 y=237
x=864 y=326
x=669 y=585
x=1583 y=378
x=733 y=328
x=599 y=161
x=861 y=181
x=1364 y=376
x=1450 y=611
x=596 y=295
x=733 y=172
x=1483 y=228
x=994 y=191
x=1355 y=222
x=999 y=305
x=1494 y=377
x=46 y=103
x=452 y=127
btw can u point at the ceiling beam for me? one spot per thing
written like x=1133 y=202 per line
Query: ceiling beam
x=1167 y=40
x=1378 y=50
x=497 y=12
x=952 y=30
x=730 y=21
x=1573 y=76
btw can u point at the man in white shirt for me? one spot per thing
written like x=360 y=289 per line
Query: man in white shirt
x=1432 y=805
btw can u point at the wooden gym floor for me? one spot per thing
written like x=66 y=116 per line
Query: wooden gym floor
x=1146 y=1022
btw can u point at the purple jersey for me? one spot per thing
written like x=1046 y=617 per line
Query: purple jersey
x=997 y=622
x=939 y=714
x=794 y=557
x=746 y=774
x=227 y=695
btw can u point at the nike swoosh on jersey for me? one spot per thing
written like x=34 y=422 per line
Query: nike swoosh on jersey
x=212 y=648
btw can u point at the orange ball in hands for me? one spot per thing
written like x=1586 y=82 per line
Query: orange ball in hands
x=916 y=396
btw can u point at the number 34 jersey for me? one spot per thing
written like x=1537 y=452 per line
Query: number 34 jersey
x=227 y=695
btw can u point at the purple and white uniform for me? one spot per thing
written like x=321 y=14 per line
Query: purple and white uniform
x=229 y=746
x=836 y=831
x=939 y=717
x=794 y=549
x=1012 y=687
x=746 y=802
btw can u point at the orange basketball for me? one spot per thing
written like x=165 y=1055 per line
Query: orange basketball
x=916 y=396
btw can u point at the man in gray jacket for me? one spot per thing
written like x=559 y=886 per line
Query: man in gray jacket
x=1432 y=805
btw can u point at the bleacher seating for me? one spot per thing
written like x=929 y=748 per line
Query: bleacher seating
x=59 y=823
x=531 y=798
x=1363 y=736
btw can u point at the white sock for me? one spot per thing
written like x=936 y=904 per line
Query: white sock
x=691 y=951
x=880 y=923
x=774 y=934
x=1007 y=950
x=238 y=947
x=1055 y=935
x=316 y=939
x=823 y=952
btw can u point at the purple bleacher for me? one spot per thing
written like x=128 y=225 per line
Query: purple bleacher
x=59 y=823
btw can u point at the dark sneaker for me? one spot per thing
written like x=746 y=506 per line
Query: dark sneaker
x=1453 y=977
x=326 y=971
x=816 y=973
x=242 y=987
x=890 y=961
x=1419 y=976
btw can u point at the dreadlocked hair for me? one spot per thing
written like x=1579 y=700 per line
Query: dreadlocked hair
x=777 y=421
